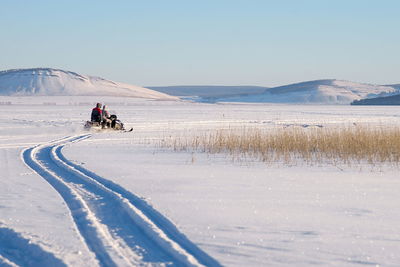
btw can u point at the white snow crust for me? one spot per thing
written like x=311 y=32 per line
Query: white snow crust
x=53 y=82
x=317 y=92
x=240 y=213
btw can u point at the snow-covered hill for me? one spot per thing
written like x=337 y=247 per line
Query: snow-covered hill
x=319 y=91
x=51 y=82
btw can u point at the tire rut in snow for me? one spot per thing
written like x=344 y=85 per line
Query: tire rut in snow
x=16 y=250
x=119 y=227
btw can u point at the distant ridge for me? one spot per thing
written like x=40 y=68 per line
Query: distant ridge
x=56 y=82
x=397 y=86
x=209 y=90
x=329 y=91
x=384 y=101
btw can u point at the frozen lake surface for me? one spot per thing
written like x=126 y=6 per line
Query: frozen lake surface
x=191 y=208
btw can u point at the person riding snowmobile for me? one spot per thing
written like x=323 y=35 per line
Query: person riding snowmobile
x=96 y=113
x=106 y=118
x=103 y=118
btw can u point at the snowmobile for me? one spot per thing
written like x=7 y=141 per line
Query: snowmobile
x=115 y=124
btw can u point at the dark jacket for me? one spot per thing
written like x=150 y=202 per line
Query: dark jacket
x=96 y=115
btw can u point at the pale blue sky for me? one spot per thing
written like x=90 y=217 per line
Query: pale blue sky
x=222 y=42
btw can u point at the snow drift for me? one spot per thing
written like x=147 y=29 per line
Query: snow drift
x=319 y=92
x=52 y=82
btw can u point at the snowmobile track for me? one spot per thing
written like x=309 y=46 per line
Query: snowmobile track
x=120 y=228
x=15 y=250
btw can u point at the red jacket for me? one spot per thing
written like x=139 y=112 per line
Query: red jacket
x=96 y=114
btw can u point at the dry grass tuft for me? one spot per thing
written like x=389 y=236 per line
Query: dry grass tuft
x=345 y=144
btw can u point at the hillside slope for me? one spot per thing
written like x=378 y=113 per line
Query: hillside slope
x=318 y=92
x=387 y=100
x=52 y=82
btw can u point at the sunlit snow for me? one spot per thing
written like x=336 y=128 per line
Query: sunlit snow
x=238 y=213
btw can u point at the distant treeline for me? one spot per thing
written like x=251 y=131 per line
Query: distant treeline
x=387 y=100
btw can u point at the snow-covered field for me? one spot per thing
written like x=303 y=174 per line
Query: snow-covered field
x=86 y=199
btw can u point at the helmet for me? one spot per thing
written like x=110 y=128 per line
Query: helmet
x=98 y=105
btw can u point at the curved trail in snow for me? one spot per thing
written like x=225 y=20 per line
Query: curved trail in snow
x=119 y=227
